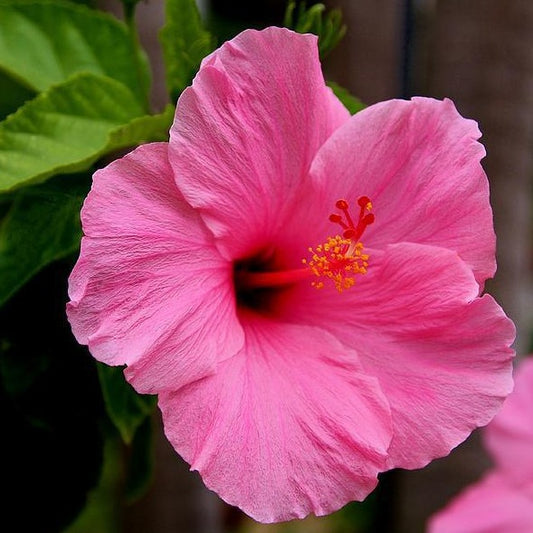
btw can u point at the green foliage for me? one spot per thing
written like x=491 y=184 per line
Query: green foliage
x=350 y=102
x=68 y=127
x=51 y=410
x=90 y=78
x=126 y=409
x=73 y=88
x=315 y=19
x=43 y=43
x=103 y=512
x=185 y=43
x=41 y=226
x=148 y=128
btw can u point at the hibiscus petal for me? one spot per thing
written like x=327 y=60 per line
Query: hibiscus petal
x=440 y=353
x=287 y=427
x=490 y=506
x=419 y=163
x=510 y=436
x=142 y=290
x=246 y=132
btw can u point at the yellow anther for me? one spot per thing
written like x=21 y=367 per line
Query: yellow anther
x=338 y=259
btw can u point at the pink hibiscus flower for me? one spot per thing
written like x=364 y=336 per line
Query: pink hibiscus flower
x=502 y=502
x=227 y=270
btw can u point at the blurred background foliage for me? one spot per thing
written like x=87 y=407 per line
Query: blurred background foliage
x=83 y=81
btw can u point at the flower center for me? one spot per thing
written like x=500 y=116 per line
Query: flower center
x=339 y=259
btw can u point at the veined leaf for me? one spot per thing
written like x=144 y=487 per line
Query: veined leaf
x=185 y=43
x=43 y=43
x=147 y=128
x=68 y=127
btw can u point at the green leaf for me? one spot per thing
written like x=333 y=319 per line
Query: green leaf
x=43 y=43
x=41 y=226
x=185 y=43
x=147 y=128
x=71 y=125
x=350 y=102
x=326 y=24
x=126 y=409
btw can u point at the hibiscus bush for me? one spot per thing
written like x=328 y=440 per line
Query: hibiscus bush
x=294 y=279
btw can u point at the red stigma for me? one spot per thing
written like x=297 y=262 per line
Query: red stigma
x=352 y=230
x=341 y=258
